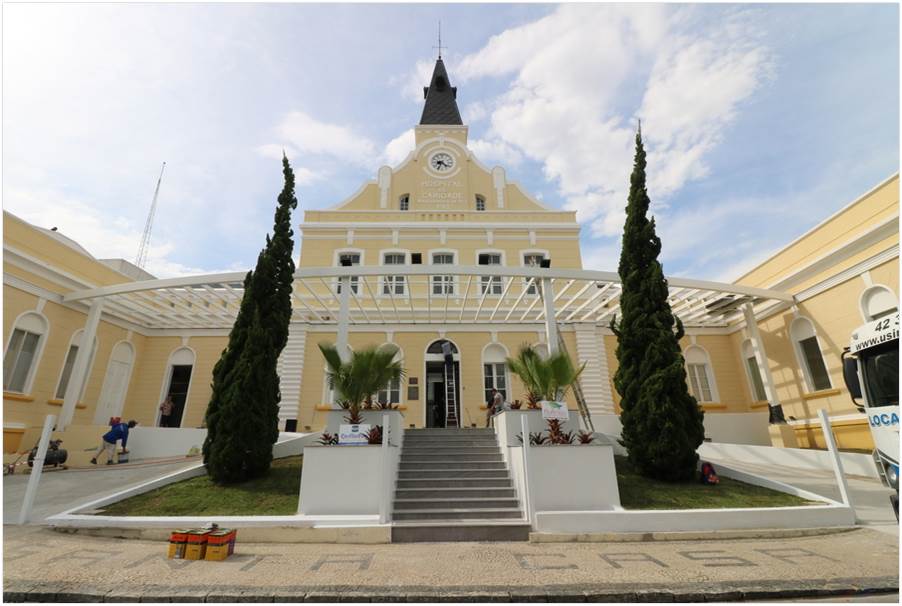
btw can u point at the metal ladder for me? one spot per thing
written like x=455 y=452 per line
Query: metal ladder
x=450 y=397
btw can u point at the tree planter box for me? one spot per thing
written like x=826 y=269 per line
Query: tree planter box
x=345 y=480
x=579 y=477
x=370 y=417
x=508 y=423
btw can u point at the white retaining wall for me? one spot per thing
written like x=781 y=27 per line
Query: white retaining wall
x=163 y=442
x=799 y=458
x=729 y=427
x=342 y=480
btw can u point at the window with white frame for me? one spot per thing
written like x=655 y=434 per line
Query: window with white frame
x=22 y=352
x=753 y=371
x=69 y=365
x=878 y=302
x=808 y=351
x=700 y=375
x=391 y=393
x=490 y=284
x=494 y=371
x=394 y=285
x=443 y=285
x=533 y=259
x=404 y=202
x=354 y=258
x=480 y=203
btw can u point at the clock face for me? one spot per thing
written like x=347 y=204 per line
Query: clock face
x=442 y=162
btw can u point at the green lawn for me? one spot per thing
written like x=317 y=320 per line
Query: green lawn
x=275 y=494
x=637 y=492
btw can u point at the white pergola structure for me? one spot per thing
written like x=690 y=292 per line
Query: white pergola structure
x=427 y=295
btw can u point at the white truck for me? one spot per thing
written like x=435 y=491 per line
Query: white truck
x=871 y=373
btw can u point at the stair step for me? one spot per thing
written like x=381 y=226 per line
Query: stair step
x=449 y=515
x=446 y=482
x=444 y=492
x=429 y=531
x=455 y=503
x=444 y=464
x=430 y=458
x=448 y=450
x=435 y=431
x=422 y=442
x=440 y=473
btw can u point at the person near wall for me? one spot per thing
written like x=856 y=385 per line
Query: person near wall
x=495 y=405
x=166 y=411
x=108 y=443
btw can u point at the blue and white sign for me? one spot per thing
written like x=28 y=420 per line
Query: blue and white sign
x=555 y=410
x=353 y=435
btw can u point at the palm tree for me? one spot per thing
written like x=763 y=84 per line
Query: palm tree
x=545 y=379
x=356 y=380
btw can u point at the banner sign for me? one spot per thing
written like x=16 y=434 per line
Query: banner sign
x=555 y=410
x=353 y=435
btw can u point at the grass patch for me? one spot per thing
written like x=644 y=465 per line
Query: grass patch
x=637 y=492
x=275 y=494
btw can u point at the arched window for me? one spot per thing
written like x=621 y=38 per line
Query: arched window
x=753 y=371
x=808 y=351
x=69 y=365
x=391 y=393
x=23 y=351
x=115 y=383
x=437 y=347
x=877 y=302
x=480 y=203
x=490 y=284
x=404 y=202
x=494 y=370
x=700 y=374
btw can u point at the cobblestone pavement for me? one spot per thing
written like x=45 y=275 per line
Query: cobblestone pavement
x=41 y=564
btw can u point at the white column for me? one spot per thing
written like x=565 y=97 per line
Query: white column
x=343 y=311
x=31 y=489
x=550 y=324
x=80 y=367
x=835 y=459
x=760 y=355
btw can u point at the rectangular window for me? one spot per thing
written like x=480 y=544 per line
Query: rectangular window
x=480 y=203
x=354 y=258
x=443 y=285
x=404 y=202
x=391 y=394
x=755 y=374
x=698 y=382
x=494 y=375
x=394 y=285
x=67 y=372
x=490 y=284
x=817 y=370
x=533 y=260
x=22 y=348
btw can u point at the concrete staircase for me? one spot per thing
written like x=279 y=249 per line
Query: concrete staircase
x=453 y=485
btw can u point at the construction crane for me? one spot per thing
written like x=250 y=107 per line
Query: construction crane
x=141 y=259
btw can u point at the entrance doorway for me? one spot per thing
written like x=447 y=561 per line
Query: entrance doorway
x=442 y=363
x=178 y=391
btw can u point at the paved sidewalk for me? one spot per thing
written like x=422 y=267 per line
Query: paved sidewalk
x=41 y=564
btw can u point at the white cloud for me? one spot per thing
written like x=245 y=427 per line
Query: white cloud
x=411 y=84
x=568 y=104
x=474 y=112
x=311 y=136
x=302 y=174
x=399 y=148
x=495 y=151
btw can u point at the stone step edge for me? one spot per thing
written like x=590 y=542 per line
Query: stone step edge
x=468 y=522
x=693 y=535
x=459 y=510
x=452 y=489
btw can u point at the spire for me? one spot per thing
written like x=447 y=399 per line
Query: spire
x=441 y=98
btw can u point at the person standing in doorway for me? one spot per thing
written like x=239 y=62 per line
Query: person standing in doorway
x=166 y=411
x=118 y=432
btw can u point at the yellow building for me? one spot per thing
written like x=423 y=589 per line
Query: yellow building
x=440 y=250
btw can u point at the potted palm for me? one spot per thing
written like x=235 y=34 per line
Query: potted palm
x=544 y=378
x=354 y=480
x=356 y=380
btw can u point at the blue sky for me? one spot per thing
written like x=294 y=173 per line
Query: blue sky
x=760 y=120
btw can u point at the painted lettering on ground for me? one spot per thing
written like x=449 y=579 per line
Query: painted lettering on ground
x=792 y=554
x=614 y=559
x=362 y=560
x=88 y=556
x=524 y=560
x=709 y=555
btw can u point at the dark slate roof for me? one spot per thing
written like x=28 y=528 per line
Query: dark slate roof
x=441 y=99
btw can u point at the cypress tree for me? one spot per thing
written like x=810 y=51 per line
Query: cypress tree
x=242 y=416
x=662 y=422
